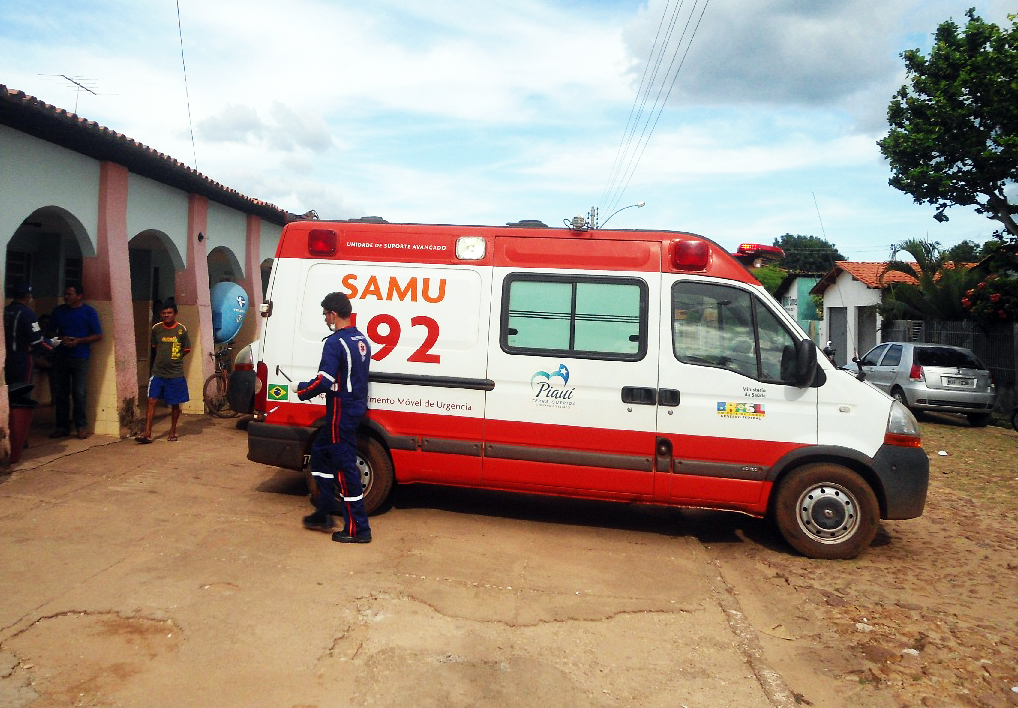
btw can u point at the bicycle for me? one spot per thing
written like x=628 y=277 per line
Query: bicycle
x=216 y=385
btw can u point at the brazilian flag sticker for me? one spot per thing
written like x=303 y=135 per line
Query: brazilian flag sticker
x=278 y=392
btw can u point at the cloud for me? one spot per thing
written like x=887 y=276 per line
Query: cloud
x=776 y=51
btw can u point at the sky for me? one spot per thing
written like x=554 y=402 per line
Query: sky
x=455 y=111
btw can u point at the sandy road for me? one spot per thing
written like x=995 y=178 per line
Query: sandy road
x=177 y=574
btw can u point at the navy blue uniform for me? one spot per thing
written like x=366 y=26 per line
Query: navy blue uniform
x=343 y=379
x=21 y=328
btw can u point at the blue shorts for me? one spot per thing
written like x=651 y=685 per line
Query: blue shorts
x=170 y=390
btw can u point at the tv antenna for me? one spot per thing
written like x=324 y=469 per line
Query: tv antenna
x=80 y=83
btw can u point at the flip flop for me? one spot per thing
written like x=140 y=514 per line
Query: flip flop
x=172 y=438
x=141 y=439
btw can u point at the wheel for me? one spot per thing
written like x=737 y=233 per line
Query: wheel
x=214 y=395
x=899 y=395
x=376 y=473
x=826 y=511
x=979 y=420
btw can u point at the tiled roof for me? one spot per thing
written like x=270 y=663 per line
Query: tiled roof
x=39 y=119
x=868 y=273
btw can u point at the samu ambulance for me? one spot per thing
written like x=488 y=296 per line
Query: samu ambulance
x=634 y=366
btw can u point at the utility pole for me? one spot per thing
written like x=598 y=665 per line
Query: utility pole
x=593 y=217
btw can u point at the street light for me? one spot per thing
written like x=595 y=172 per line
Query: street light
x=638 y=205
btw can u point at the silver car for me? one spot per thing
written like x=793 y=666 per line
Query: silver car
x=932 y=377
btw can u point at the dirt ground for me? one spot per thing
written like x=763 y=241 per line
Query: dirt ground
x=177 y=575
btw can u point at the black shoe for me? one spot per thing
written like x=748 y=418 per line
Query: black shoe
x=343 y=537
x=318 y=522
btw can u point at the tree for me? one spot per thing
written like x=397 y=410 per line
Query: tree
x=994 y=298
x=807 y=254
x=937 y=291
x=770 y=276
x=954 y=125
x=964 y=252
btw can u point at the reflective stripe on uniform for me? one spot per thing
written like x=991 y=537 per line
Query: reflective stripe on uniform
x=326 y=375
x=349 y=366
x=326 y=475
x=353 y=499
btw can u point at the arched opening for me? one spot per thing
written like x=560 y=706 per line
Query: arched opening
x=46 y=251
x=223 y=266
x=154 y=262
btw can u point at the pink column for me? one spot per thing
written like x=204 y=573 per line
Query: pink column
x=192 y=285
x=107 y=283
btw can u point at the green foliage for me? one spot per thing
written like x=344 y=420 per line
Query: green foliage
x=770 y=276
x=954 y=125
x=938 y=291
x=995 y=297
x=807 y=254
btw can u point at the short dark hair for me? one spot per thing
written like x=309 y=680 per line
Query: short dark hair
x=168 y=304
x=338 y=303
x=77 y=287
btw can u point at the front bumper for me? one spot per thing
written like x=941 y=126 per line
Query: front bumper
x=278 y=445
x=904 y=473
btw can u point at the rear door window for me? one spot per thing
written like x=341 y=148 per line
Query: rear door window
x=893 y=356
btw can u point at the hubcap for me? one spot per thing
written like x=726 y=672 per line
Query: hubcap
x=828 y=513
x=365 y=469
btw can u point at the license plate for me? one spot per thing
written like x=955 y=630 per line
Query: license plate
x=955 y=381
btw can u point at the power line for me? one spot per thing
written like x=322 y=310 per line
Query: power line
x=633 y=147
x=187 y=95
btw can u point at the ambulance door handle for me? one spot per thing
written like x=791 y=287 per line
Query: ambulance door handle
x=639 y=395
x=668 y=397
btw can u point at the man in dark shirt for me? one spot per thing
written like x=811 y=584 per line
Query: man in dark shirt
x=170 y=344
x=343 y=380
x=21 y=334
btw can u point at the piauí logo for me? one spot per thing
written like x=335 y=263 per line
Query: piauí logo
x=552 y=389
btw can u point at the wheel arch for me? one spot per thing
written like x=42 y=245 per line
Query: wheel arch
x=846 y=457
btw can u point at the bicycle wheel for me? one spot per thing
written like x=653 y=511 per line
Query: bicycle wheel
x=214 y=395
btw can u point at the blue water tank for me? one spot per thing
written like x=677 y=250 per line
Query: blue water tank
x=229 y=307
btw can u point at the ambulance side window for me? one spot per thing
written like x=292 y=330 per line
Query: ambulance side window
x=576 y=316
x=729 y=328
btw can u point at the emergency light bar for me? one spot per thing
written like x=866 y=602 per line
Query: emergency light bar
x=690 y=255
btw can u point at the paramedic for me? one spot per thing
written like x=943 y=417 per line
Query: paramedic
x=343 y=379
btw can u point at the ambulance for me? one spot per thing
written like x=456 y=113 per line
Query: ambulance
x=636 y=366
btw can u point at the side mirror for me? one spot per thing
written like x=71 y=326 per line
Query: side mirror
x=799 y=363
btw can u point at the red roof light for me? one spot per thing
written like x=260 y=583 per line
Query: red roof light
x=322 y=242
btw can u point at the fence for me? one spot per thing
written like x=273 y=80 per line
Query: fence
x=994 y=346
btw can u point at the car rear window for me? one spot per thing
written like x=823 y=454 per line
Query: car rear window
x=942 y=356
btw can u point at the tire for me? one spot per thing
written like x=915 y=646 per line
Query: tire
x=214 y=395
x=979 y=420
x=376 y=474
x=899 y=395
x=826 y=511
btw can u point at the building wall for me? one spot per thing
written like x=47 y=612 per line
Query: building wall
x=126 y=227
x=861 y=324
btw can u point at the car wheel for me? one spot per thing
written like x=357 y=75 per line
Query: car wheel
x=899 y=395
x=376 y=470
x=826 y=511
x=979 y=420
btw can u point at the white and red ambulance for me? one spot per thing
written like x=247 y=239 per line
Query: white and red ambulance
x=635 y=366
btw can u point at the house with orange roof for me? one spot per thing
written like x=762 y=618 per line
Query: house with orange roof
x=852 y=291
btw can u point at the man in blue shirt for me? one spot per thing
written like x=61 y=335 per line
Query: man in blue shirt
x=77 y=327
x=343 y=380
